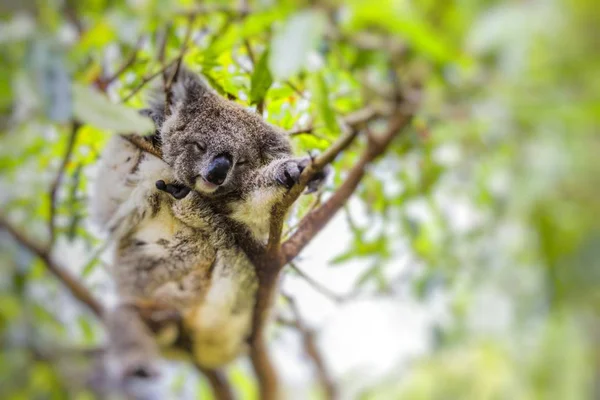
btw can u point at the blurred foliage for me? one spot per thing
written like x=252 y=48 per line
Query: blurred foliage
x=491 y=196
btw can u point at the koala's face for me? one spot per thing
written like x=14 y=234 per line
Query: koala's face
x=213 y=145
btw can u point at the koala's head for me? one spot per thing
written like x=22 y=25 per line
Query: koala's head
x=213 y=145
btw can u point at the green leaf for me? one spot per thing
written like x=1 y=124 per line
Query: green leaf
x=91 y=107
x=261 y=79
x=326 y=113
x=291 y=46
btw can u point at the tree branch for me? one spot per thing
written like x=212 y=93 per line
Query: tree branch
x=124 y=67
x=295 y=89
x=354 y=123
x=148 y=78
x=162 y=47
x=269 y=264
x=143 y=144
x=78 y=291
x=59 y=178
x=218 y=382
x=265 y=371
x=316 y=220
x=301 y=131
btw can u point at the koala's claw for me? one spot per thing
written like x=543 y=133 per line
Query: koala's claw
x=177 y=191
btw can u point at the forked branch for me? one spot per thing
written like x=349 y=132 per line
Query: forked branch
x=352 y=124
x=316 y=220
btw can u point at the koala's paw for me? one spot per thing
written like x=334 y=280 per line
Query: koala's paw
x=177 y=191
x=288 y=173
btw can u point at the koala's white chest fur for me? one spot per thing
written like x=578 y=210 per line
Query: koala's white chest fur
x=251 y=211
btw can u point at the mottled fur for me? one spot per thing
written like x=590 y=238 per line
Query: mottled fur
x=191 y=254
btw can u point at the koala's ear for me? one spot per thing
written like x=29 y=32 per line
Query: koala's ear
x=187 y=87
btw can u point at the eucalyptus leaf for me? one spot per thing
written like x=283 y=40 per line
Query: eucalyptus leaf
x=261 y=79
x=92 y=107
x=326 y=113
x=291 y=45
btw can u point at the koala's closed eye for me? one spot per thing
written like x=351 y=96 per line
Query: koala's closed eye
x=201 y=147
x=242 y=161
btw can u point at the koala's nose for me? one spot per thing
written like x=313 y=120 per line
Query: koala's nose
x=218 y=169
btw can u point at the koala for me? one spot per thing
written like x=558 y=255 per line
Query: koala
x=182 y=227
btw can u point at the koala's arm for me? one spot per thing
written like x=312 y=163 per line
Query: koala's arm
x=267 y=188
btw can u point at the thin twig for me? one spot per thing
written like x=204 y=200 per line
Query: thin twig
x=78 y=291
x=295 y=89
x=312 y=350
x=161 y=53
x=206 y=9
x=316 y=285
x=308 y=130
x=125 y=66
x=148 y=78
x=249 y=51
x=173 y=77
x=59 y=178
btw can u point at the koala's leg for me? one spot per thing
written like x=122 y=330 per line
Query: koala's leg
x=221 y=322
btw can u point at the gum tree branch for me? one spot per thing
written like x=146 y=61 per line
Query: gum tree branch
x=264 y=370
x=59 y=178
x=74 y=286
x=218 y=382
x=270 y=264
x=353 y=122
x=143 y=144
x=316 y=220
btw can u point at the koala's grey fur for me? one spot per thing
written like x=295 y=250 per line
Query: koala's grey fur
x=191 y=254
